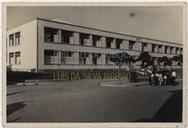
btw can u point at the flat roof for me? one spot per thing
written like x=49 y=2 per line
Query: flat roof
x=70 y=24
x=61 y=22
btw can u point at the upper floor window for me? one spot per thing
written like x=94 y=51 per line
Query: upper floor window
x=160 y=49
x=51 y=35
x=171 y=49
x=67 y=37
x=84 y=39
x=153 y=47
x=96 y=40
x=166 y=49
x=11 y=40
x=131 y=44
x=118 y=43
x=143 y=46
x=108 y=42
x=17 y=38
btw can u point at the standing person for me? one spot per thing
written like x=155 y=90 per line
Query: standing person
x=165 y=79
x=173 y=76
x=160 y=79
x=130 y=75
x=155 y=79
x=150 y=79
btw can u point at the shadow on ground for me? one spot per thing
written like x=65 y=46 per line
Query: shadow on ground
x=14 y=120
x=171 y=111
x=11 y=108
x=14 y=93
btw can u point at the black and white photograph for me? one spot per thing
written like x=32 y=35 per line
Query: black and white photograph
x=94 y=64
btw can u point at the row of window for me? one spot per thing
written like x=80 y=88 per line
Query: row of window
x=14 y=58
x=14 y=39
x=54 y=57
x=52 y=35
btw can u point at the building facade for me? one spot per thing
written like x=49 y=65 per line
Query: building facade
x=52 y=45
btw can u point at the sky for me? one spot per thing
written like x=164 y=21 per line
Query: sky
x=160 y=22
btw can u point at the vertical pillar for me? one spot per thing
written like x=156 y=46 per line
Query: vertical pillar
x=59 y=36
x=163 y=49
x=137 y=46
x=149 y=47
x=103 y=58
x=156 y=48
x=113 y=43
x=103 y=41
x=89 y=41
x=76 y=38
x=99 y=60
x=59 y=57
x=124 y=44
x=168 y=49
x=76 y=57
x=71 y=38
x=99 y=44
x=173 y=50
x=89 y=59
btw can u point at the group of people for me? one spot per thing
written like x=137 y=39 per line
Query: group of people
x=162 y=78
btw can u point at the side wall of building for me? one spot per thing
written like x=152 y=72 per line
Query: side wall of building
x=27 y=47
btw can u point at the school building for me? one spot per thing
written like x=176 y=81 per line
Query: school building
x=43 y=44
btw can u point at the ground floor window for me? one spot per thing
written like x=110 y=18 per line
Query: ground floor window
x=51 y=57
x=17 y=58
x=11 y=58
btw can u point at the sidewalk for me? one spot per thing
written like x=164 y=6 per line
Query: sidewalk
x=126 y=83
x=123 y=83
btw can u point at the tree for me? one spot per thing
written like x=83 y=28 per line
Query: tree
x=170 y=62
x=180 y=59
x=175 y=58
x=146 y=59
x=122 y=58
x=165 y=61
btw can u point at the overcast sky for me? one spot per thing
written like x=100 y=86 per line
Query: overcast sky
x=163 y=23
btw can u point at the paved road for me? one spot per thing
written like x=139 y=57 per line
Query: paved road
x=88 y=101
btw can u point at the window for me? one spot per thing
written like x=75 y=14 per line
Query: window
x=171 y=49
x=66 y=37
x=181 y=50
x=108 y=42
x=11 y=58
x=51 y=35
x=160 y=48
x=95 y=40
x=131 y=44
x=17 y=58
x=153 y=47
x=143 y=46
x=84 y=39
x=17 y=38
x=51 y=57
x=166 y=49
x=95 y=56
x=118 y=43
x=82 y=58
x=11 y=40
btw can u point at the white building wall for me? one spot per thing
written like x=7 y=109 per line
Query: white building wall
x=27 y=47
x=77 y=48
